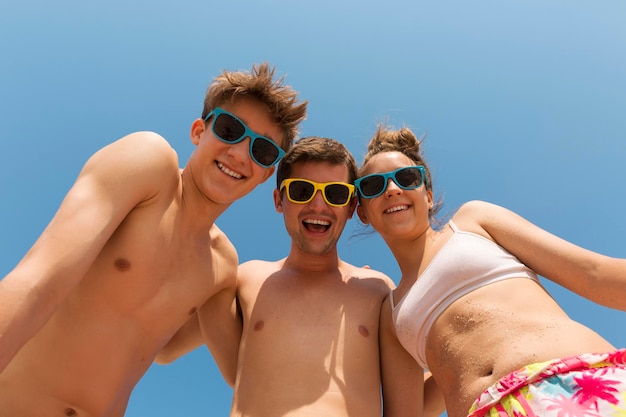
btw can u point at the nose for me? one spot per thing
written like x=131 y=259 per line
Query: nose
x=240 y=150
x=392 y=188
x=318 y=200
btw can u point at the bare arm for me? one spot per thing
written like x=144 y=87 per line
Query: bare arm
x=599 y=278
x=434 y=403
x=220 y=331
x=217 y=323
x=116 y=179
x=221 y=328
x=402 y=378
x=186 y=339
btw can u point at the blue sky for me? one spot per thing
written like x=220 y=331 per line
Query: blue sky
x=523 y=104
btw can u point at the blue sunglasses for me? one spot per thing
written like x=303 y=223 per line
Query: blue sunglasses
x=407 y=178
x=230 y=129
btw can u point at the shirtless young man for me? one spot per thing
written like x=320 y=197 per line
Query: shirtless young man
x=310 y=343
x=133 y=252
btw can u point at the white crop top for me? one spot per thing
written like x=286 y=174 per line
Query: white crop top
x=466 y=262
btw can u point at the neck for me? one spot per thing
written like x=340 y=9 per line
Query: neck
x=197 y=210
x=303 y=263
x=409 y=251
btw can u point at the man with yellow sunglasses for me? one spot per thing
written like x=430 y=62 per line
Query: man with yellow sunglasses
x=311 y=321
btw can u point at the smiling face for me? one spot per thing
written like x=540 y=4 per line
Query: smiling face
x=315 y=227
x=225 y=172
x=396 y=213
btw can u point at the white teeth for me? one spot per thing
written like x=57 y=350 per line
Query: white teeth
x=396 y=208
x=318 y=222
x=228 y=171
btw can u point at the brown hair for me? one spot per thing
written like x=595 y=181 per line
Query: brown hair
x=316 y=149
x=259 y=84
x=403 y=140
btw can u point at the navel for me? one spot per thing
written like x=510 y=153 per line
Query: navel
x=122 y=264
x=259 y=325
x=70 y=412
x=192 y=311
x=363 y=330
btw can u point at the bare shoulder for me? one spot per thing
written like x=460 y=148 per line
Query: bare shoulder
x=473 y=210
x=251 y=276
x=376 y=280
x=478 y=216
x=258 y=269
x=147 y=153
x=138 y=165
x=146 y=144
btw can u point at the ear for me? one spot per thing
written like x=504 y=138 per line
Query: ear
x=278 y=201
x=197 y=129
x=268 y=173
x=431 y=201
x=352 y=207
x=361 y=213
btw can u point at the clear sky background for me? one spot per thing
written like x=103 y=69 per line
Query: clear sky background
x=523 y=104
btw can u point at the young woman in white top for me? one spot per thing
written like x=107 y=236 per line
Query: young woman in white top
x=469 y=307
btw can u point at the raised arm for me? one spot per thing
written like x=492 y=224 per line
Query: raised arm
x=597 y=277
x=116 y=179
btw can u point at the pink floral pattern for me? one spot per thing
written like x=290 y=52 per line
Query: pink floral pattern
x=588 y=385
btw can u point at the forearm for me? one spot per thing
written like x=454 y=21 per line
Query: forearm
x=223 y=339
x=608 y=284
x=22 y=315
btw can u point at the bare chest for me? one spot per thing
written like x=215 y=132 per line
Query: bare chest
x=323 y=320
x=151 y=267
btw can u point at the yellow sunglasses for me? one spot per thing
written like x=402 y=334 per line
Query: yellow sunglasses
x=301 y=191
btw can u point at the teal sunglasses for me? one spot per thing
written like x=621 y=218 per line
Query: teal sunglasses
x=230 y=129
x=407 y=178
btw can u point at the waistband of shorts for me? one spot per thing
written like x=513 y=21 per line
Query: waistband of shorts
x=542 y=370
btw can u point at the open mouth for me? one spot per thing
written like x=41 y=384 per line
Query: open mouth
x=316 y=225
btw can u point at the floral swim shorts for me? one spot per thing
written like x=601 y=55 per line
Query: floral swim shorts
x=587 y=385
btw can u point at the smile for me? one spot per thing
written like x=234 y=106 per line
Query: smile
x=229 y=172
x=396 y=208
x=316 y=225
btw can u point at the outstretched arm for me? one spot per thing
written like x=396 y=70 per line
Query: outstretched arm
x=115 y=180
x=599 y=278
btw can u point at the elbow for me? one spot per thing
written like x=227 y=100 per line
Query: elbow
x=229 y=373
x=164 y=358
x=230 y=381
x=230 y=376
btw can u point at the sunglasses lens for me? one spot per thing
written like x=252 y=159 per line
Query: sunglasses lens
x=372 y=185
x=337 y=194
x=265 y=152
x=409 y=177
x=228 y=128
x=300 y=191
